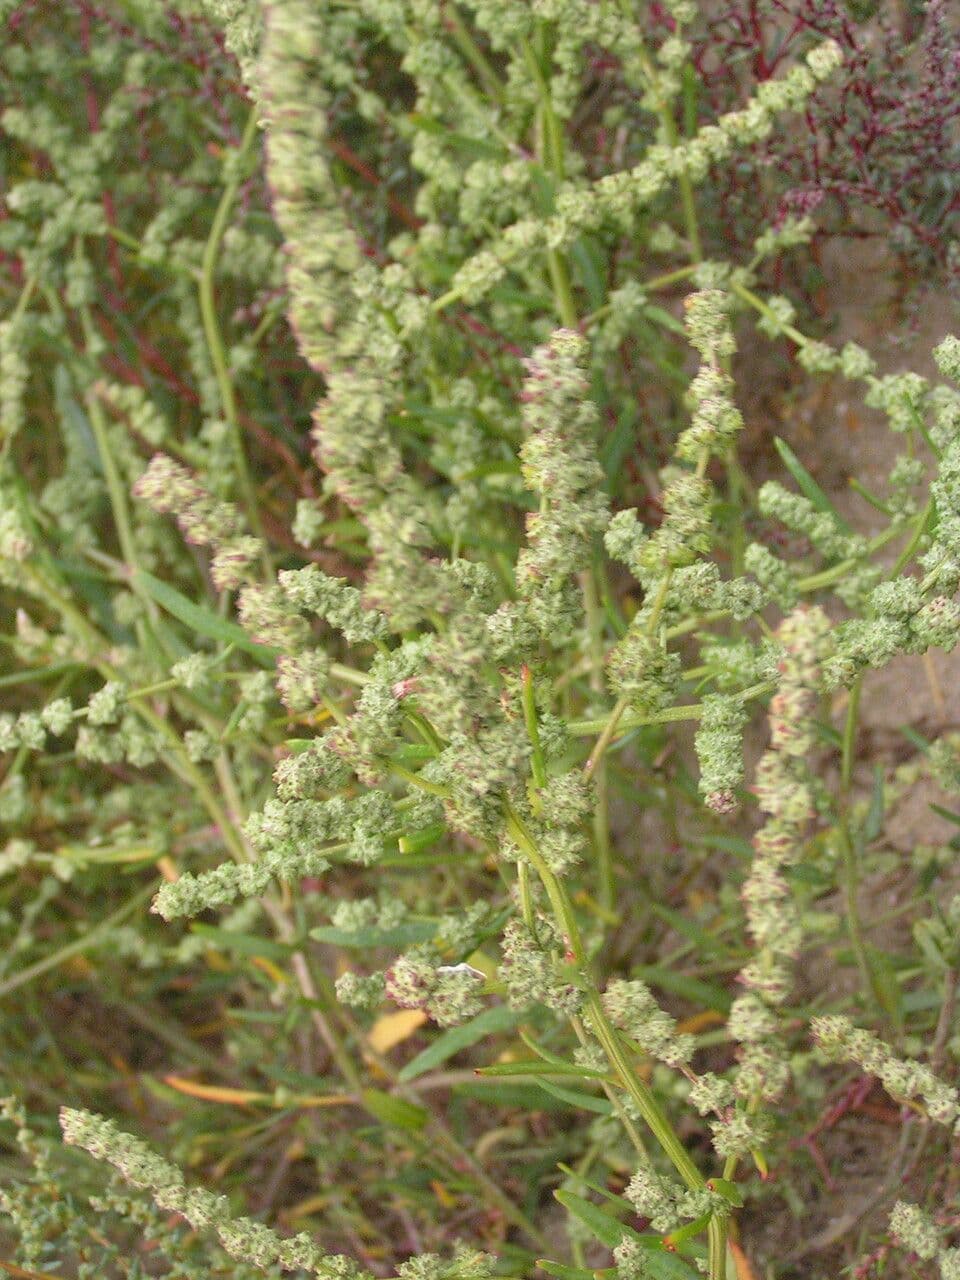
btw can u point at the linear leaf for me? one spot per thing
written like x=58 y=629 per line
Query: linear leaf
x=247 y=944
x=607 y=1229
x=537 y=1068
x=579 y=1101
x=563 y=1272
x=395 y=1112
x=202 y=620
x=806 y=483
x=400 y=935
x=457 y=1038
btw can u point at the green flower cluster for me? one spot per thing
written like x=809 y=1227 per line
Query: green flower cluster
x=559 y=463
x=621 y=197
x=448 y=993
x=535 y=971
x=917 y=1231
x=242 y=1238
x=168 y=487
x=664 y=1201
x=784 y=791
x=396 y=737
x=631 y=1007
x=840 y=1041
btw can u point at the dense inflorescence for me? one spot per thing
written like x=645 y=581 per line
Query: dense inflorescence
x=334 y=647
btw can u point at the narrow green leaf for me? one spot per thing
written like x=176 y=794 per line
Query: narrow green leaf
x=445 y=1046
x=576 y=1099
x=922 y=1001
x=606 y=1228
x=737 y=845
x=74 y=422
x=707 y=995
x=532 y=1068
x=542 y=1053
x=688 y=928
x=395 y=1112
x=667 y=1266
x=413 y=753
x=915 y=739
x=493 y=1092
x=691 y=88
x=619 y=1201
x=873 y=822
x=659 y=1263
x=806 y=483
x=201 y=620
x=418 y=841
x=925 y=942
x=247 y=944
x=808 y=875
x=469 y=145
x=564 y=1272
x=729 y=1190
x=28 y=674
x=886 y=985
x=663 y=318
x=947 y=814
x=589 y=257
x=616 y=444
x=270 y=1016
x=401 y=935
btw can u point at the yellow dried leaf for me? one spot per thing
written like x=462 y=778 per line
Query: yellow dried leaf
x=214 y=1092
x=393 y=1028
x=168 y=869
x=741 y=1262
x=697 y=1022
x=442 y=1194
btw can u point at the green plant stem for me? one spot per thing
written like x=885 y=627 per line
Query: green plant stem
x=538 y=765
x=906 y=555
x=735 y=487
x=610 y=728
x=457 y=1156
x=945 y=1019
x=211 y=324
x=31 y=674
x=669 y=715
x=23 y=301
x=717 y=1246
x=748 y=296
x=550 y=151
x=653 y=1115
x=672 y=135
x=414 y=779
x=84 y=943
x=551 y=144
x=650 y=286
x=606 y=889
x=194 y=776
x=850 y=867
x=474 y=54
x=606 y=884
x=629 y=1127
x=315 y=988
x=562 y=289
x=119 y=505
x=550 y=140
x=115 y=488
